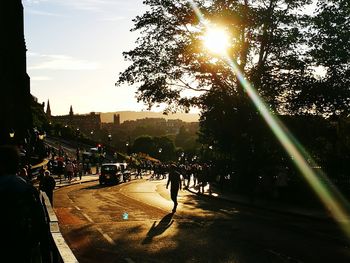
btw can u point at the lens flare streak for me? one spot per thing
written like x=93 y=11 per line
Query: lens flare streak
x=321 y=185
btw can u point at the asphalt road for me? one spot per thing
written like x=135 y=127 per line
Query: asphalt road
x=202 y=230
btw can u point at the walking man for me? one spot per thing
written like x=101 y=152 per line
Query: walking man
x=47 y=185
x=175 y=184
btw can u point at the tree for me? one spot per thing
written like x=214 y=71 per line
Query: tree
x=170 y=59
x=159 y=147
x=144 y=144
x=165 y=148
x=329 y=51
x=273 y=43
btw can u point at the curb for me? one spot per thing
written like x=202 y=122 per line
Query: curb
x=76 y=182
x=286 y=212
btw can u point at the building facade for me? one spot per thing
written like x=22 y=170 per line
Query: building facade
x=15 y=117
x=84 y=122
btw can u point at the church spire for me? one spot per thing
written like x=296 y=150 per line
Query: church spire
x=48 y=109
x=71 y=111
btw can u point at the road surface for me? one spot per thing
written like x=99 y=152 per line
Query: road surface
x=131 y=222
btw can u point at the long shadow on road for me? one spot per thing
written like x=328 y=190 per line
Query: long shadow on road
x=158 y=229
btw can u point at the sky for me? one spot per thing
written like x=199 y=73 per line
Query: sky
x=75 y=50
x=75 y=53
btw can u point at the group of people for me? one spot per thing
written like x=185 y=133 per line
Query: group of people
x=180 y=175
x=201 y=174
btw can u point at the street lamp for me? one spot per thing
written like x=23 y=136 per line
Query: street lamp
x=12 y=134
x=77 y=134
x=127 y=148
x=92 y=135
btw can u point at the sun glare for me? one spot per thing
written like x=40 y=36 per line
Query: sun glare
x=216 y=40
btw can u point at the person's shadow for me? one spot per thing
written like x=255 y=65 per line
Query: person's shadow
x=158 y=229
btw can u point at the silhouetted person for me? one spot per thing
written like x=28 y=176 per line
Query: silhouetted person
x=23 y=174
x=175 y=184
x=47 y=185
x=22 y=220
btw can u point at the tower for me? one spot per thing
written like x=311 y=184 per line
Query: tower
x=71 y=111
x=48 y=109
x=14 y=81
x=116 y=119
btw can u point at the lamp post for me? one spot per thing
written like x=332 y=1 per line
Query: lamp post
x=92 y=135
x=127 y=148
x=160 y=152
x=77 y=137
x=12 y=134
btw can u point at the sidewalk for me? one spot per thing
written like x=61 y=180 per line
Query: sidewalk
x=61 y=181
x=75 y=180
x=270 y=205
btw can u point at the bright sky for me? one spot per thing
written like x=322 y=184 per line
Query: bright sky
x=75 y=53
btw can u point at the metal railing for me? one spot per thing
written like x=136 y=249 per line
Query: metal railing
x=59 y=251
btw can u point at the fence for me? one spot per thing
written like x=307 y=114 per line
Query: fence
x=59 y=251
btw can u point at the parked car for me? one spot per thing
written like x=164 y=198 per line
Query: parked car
x=113 y=173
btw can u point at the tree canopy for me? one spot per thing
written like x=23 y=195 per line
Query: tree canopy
x=296 y=59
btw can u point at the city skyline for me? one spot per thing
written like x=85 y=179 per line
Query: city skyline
x=75 y=53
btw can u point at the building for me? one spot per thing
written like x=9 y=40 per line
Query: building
x=85 y=122
x=111 y=126
x=15 y=117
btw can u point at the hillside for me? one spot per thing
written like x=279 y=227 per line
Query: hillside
x=134 y=115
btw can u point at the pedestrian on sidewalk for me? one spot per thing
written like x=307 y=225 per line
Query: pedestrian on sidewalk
x=69 y=170
x=80 y=169
x=47 y=185
x=174 y=180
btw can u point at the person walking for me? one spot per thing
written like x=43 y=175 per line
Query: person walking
x=69 y=170
x=174 y=180
x=47 y=185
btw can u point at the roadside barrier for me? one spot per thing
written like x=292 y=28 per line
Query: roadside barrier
x=59 y=251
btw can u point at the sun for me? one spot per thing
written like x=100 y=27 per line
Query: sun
x=216 y=40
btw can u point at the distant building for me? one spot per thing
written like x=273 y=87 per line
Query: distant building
x=15 y=117
x=111 y=126
x=157 y=122
x=85 y=122
x=171 y=126
x=116 y=119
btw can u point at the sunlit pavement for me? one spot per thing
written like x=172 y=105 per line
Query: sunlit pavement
x=214 y=193
x=131 y=222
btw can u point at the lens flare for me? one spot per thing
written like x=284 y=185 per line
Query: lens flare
x=216 y=40
x=332 y=199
